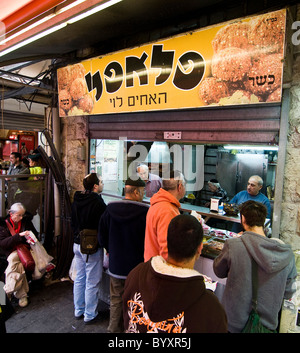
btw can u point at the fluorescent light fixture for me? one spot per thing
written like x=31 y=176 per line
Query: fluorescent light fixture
x=93 y=10
x=35 y=24
x=32 y=39
x=55 y=28
x=256 y=148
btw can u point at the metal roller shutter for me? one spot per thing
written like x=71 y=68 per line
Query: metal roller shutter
x=259 y=124
x=21 y=121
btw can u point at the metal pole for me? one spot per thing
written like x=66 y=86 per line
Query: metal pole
x=56 y=141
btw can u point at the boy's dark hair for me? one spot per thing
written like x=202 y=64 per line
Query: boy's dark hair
x=185 y=234
x=255 y=213
x=90 y=180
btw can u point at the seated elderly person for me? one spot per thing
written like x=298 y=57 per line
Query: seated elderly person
x=13 y=231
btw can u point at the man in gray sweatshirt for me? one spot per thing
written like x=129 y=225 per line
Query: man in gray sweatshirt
x=276 y=271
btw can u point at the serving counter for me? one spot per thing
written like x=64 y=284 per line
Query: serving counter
x=207 y=214
x=185 y=207
x=212 y=245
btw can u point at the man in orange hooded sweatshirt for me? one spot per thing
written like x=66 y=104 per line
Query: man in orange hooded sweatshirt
x=164 y=206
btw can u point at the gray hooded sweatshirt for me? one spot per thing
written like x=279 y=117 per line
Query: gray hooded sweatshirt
x=276 y=278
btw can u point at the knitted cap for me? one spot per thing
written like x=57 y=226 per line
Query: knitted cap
x=34 y=156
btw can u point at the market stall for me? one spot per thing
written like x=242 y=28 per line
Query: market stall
x=217 y=85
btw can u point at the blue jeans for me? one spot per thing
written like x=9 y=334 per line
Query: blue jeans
x=87 y=283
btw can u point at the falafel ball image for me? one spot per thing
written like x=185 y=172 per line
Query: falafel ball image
x=211 y=90
x=65 y=100
x=77 y=71
x=231 y=64
x=233 y=35
x=64 y=77
x=62 y=112
x=235 y=86
x=275 y=96
x=267 y=31
x=239 y=97
x=78 y=89
x=86 y=103
x=265 y=75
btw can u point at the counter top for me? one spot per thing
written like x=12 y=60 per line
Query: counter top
x=206 y=213
x=203 y=211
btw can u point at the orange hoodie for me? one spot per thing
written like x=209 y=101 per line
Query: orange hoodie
x=163 y=207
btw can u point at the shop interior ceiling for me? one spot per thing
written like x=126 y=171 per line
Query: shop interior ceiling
x=28 y=74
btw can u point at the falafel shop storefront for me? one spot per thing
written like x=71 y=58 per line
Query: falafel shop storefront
x=180 y=96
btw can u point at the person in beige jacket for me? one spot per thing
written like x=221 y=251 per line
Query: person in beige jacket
x=164 y=206
x=15 y=282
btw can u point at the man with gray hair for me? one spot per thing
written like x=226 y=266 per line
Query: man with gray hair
x=255 y=184
x=164 y=206
x=153 y=182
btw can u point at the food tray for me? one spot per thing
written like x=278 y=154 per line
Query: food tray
x=231 y=209
x=212 y=246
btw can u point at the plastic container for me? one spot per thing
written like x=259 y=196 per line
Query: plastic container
x=221 y=208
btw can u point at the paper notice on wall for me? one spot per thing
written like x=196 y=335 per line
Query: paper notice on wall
x=110 y=161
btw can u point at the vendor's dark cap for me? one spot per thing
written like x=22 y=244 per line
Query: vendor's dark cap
x=138 y=182
x=34 y=156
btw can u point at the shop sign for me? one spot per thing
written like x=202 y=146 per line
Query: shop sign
x=233 y=63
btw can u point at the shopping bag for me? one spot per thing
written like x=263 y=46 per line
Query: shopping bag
x=25 y=257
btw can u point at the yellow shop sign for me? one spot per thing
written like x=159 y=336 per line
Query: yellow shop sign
x=240 y=62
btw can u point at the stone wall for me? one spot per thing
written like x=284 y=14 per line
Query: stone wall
x=74 y=131
x=290 y=217
x=290 y=222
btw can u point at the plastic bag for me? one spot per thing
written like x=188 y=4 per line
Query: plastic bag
x=40 y=255
x=105 y=260
x=72 y=270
